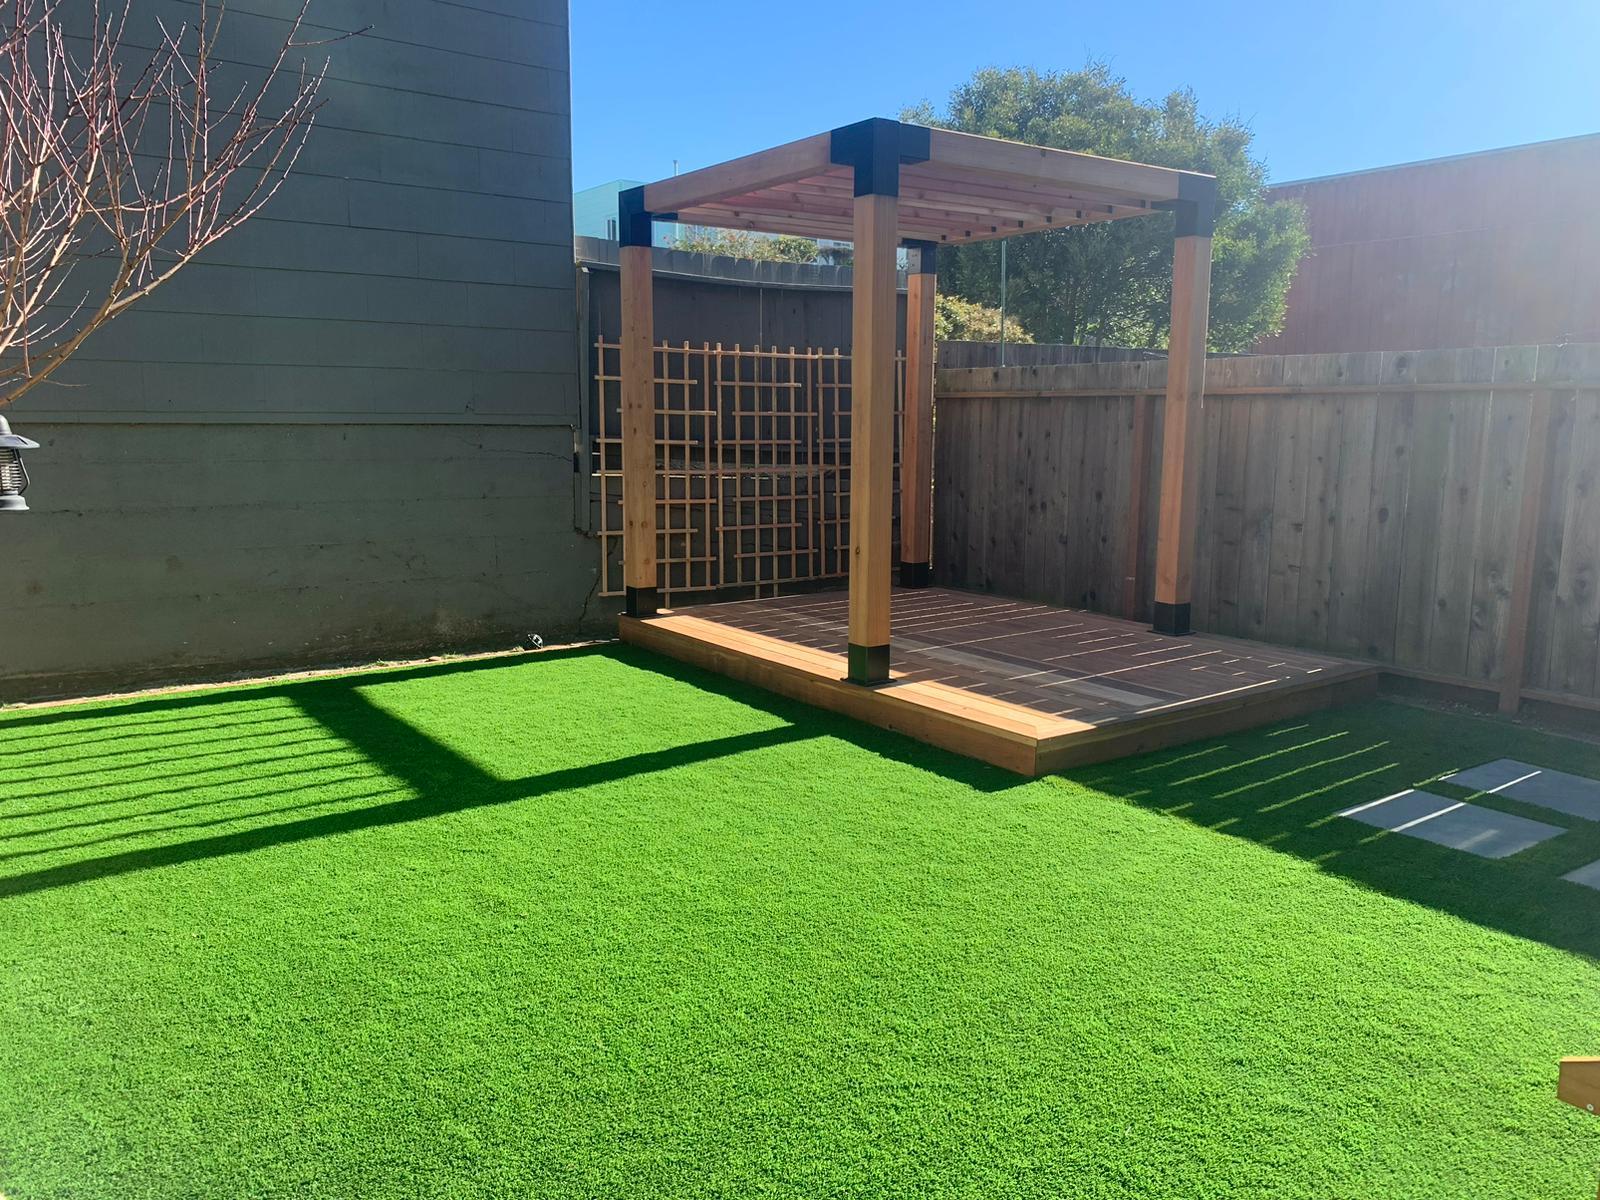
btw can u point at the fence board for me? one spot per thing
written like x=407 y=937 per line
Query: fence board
x=1364 y=503
x=1347 y=565
x=1386 y=506
x=1577 y=601
x=1285 y=552
x=1498 y=518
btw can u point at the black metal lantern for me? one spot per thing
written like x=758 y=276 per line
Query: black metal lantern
x=13 y=475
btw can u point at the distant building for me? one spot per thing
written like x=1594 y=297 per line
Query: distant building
x=1499 y=248
x=594 y=213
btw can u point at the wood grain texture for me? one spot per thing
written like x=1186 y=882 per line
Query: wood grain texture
x=638 y=371
x=872 y=421
x=1186 y=369
x=1364 y=504
x=916 y=447
x=1025 y=686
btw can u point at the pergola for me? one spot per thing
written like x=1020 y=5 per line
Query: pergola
x=884 y=184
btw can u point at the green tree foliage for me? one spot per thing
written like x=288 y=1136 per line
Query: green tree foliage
x=1111 y=282
x=958 y=320
x=737 y=243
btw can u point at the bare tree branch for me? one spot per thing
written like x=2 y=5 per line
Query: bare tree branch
x=87 y=171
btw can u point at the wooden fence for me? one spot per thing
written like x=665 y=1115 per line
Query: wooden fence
x=753 y=468
x=1438 y=512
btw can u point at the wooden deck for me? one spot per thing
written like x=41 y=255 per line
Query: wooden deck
x=1025 y=686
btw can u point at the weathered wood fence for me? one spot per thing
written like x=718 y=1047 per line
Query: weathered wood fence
x=1438 y=512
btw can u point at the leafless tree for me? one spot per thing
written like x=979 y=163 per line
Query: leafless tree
x=136 y=158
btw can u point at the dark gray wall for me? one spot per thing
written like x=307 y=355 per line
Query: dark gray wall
x=349 y=431
x=711 y=298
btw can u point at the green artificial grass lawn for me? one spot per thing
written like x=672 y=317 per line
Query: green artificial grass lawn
x=590 y=924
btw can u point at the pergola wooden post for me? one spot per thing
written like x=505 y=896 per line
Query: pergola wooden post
x=1182 y=422
x=881 y=183
x=637 y=367
x=916 y=438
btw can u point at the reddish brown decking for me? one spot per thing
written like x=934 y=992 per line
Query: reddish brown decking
x=1025 y=686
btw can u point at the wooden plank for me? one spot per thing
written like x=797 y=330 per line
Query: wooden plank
x=1552 y=529
x=1205 y=523
x=793 y=160
x=1322 y=506
x=1266 y=435
x=916 y=446
x=962 y=675
x=929 y=712
x=1011 y=459
x=1578 y=1083
x=1574 y=650
x=1348 y=572
x=827 y=227
x=1042 y=558
x=991 y=157
x=1457 y=535
x=1066 y=428
x=638 y=389
x=1079 y=557
x=1524 y=557
x=949 y=498
x=970 y=383
x=872 y=376
x=1108 y=491
x=1138 y=478
x=1180 y=466
x=1226 y=496
x=1287 y=551
x=977 y=474
x=1386 y=506
x=1420 y=534
x=1190 y=724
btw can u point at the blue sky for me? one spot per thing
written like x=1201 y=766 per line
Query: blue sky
x=1327 y=87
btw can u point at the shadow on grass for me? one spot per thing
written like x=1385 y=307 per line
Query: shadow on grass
x=219 y=758
x=1283 y=787
x=435 y=779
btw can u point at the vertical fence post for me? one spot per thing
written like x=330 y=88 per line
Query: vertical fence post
x=1535 y=470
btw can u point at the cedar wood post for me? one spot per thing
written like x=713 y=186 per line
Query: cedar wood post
x=636 y=365
x=875 y=149
x=1578 y=1083
x=1183 y=423
x=916 y=439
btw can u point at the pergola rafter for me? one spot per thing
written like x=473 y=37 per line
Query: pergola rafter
x=884 y=184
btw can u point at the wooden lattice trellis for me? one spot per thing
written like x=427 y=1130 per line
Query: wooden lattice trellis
x=752 y=465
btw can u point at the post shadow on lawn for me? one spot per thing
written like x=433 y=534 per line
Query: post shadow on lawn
x=1283 y=787
x=444 y=781
x=1280 y=786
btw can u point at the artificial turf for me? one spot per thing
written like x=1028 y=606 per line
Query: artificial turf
x=589 y=924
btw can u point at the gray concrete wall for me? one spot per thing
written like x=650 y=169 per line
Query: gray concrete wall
x=347 y=433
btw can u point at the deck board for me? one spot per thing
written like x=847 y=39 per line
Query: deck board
x=1051 y=687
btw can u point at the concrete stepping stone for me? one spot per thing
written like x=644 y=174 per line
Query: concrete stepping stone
x=1588 y=876
x=1485 y=832
x=1556 y=790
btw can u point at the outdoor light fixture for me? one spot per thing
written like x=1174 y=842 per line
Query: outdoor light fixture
x=13 y=475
